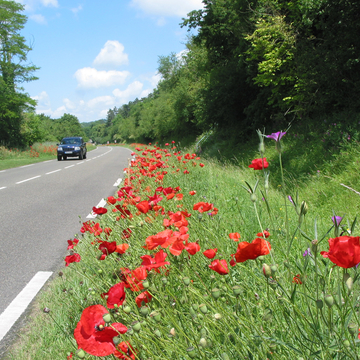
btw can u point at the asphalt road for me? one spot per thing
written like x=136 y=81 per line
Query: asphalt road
x=42 y=206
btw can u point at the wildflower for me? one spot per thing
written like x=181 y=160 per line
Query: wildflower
x=143 y=297
x=203 y=207
x=107 y=248
x=93 y=336
x=259 y=164
x=307 y=252
x=264 y=234
x=276 y=136
x=234 y=236
x=336 y=220
x=72 y=243
x=210 y=253
x=344 y=251
x=297 y=279
x=143 y=206
x=72 y=258
x=120 y=249
x=99 y=210
x=220 y=266
x=250 y=251
x=115 y=295
x=154 y=263
x=192 y=192
x=126 y=351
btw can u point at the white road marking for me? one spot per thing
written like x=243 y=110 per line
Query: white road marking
x=80 y=163
x=22 y=301
x=2 y=170
x=88 y=160
x=51 y=172
x=4 y=187
x=66 y=167
x=118 y=181
x=19 y=182
x=92 y=215
x=26 y=165
x=47 y=161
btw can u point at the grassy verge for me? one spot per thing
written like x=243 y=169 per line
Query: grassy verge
x=282 y=304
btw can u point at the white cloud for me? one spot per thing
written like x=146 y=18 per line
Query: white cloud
x=31 y=5
x=112 y=54
x=131 y=92
x=102 y=101
x=69 y=104
x=50 y=3
x=40 y=19
x=77 y=9
x=43 y=100
x=91 y=78
x=167 y=7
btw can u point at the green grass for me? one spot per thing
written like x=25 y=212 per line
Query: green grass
x=271 y=318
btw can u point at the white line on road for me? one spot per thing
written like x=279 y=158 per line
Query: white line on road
x=88 y=159
x=22 y=301
x=26 y=165
x=2 y=170
x=80 y=163
x=4 y=187
x=66 y=167
x=51 y=172
x=19 y=182
x=47 y=161
x=118 y=181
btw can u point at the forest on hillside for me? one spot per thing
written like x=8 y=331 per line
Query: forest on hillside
x=249 y=64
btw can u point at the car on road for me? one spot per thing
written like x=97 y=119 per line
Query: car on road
x=71 y=147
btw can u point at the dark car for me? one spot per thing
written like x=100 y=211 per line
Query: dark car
x=71 y=147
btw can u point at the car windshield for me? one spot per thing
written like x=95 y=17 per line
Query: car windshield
x=70 y=141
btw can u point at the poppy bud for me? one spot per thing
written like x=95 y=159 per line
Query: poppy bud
x=203 y=308
x=353 y=328
x=203 y=332
x=127 y=309
x=346 y=343
x=253 y=197
x=107 y=317
x=100 y=271
x=203 y=343
x=136 y=326
x=319 y=304
x=215 y=293
x=80 y=353
x=314 y=246
x=186 y=281
x=156 y=315
x=195 y=306
x=191 y=352
x=146 y=283
x=348 y=281
x=144 y=310
x=237 y=290
x=273 y=269
x=329 y=300
x=267 y=270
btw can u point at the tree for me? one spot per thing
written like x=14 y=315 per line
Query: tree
x=13 y=71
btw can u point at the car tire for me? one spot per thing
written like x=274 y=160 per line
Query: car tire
x=64 y=157
x=85 y=156
x=59 y=157
x=81 y=156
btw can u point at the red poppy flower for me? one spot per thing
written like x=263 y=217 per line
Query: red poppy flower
x=115 y=295
x=107 y=247
x=344 y=251
x=259 y=164
x=72 y=258
x=192 y=248
x=234 y=236
x=144 y=297
x=93 y=336
x=220 y=266
x=112 y=200
x=125 y=351
x=126 y=233
x=297 y=279
x=210 y=253
x=143 y=206
x=156 y=262
x=99 y=210
x=264 y=234
x=72 y=243
x=203 y=207
x=250 y=251
x=120 y=249
x=133 y=279
x=163 y=238
x=192 y=192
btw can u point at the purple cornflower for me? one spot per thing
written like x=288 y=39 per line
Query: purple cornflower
x=336 y=220
x=307 y=252
x=291 y=199
x=276 y=136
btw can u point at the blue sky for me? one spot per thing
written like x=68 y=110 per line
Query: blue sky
x=95 y=55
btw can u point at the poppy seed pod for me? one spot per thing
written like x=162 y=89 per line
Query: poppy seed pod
x=136 y=326
x=144 y=310
x=346 y=343
x=116 y=340
x=191 y=352
x=273 y=269
x=237 y=290
x=146 y=283
x=156 y=315
x=203 y=343
x=186 y=281
x=329 y=300
x=203 y=308
x=80 y=353
x=127 y=309
x=203 y=332
x=253 y=197
x=215 y=293
x=107 y=317
x=319 y=304
x=353 y=328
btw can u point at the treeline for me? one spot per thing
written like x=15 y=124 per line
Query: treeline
x=252 y=64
